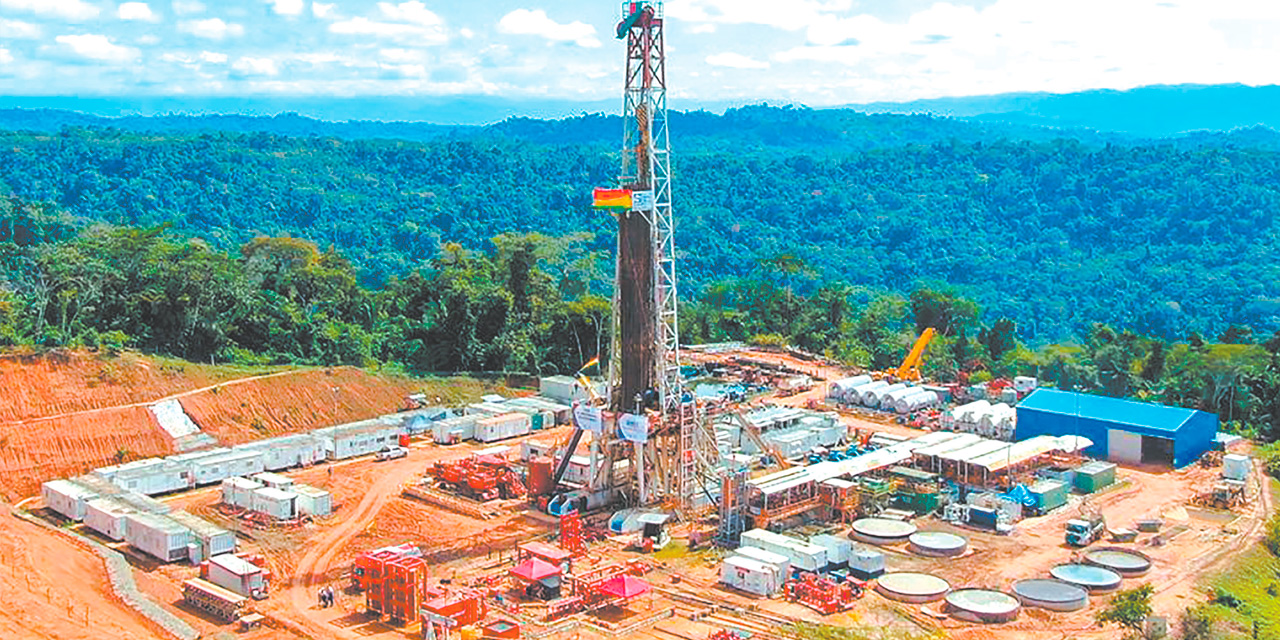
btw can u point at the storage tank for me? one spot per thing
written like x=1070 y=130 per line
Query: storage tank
x=889 y=401
x=875 y=397
x=964 y=412
x=917 y=402
x=840 y=389
x=540 y=475
x=866 y=391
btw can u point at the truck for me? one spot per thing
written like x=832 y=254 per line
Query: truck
x=1083 y=531
x=391 y=453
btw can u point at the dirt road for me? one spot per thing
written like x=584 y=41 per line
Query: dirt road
x=52 y=587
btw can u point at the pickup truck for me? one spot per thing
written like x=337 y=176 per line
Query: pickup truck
x=391 y=453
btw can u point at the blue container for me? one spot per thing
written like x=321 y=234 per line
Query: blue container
x=982 y=517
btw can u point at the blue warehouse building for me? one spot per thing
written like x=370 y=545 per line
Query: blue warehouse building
x=1122 y=431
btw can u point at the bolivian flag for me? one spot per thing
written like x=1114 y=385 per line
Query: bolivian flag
x=612 y=199
x=590 y=363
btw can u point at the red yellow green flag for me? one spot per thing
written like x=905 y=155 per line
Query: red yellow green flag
x=611 y=198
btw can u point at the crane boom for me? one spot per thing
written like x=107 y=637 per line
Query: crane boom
x=910 y=367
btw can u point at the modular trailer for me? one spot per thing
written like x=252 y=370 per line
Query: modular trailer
x=803 y=556
x=274 y=480
x=357 y=439
x=238 y=492
x=502 y=427
x=107 y=515
x=158 y=536
x=149 y=477
x=67 y=498
x=277 y=503
x=751 y=576
x=311 y=501
x=298 y=450
x=237 y=575
x=227 y=465
x=212 y=539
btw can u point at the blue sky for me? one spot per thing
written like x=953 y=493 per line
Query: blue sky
x=817 y=52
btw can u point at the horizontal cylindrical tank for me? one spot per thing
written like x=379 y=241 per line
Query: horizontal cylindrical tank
x=875 y=397
x=865 y=391
x=917 y=401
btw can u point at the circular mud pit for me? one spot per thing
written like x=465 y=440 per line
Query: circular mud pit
x=982 y=605
x=938 y=544
x=1087 y=576
x=882 y=530
x=1125 y=562
x=1054 y=595
x=912 y=587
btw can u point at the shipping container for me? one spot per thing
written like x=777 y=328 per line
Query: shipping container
x=780 y=563
x=357 y=439
x=192 y=456
x=561 y=413
x=1095 y=476
x=313 y=501
x=209 y=538
x=866 y=564
x=803 y=556
x=238 y=492
x=277 y=503
x=508 y=425
x=1049 y=495
x=285 y=452
x=236 y=575
x=563 y=389
x=214 y=469
x=839 y=549
x=106 y=516
x=155 y=477
x=67 y=498
x=1236 y=467
x=158 y=536
x=481 y=410
x=273 y=480
x=750 y=576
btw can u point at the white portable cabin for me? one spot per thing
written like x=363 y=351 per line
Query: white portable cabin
x=415 y=421
x=839 y=549
x=106 y=515
x=298 y=450
x=562 y=413
x=238 y=492
x=780 y=563
x=483 y=410
x=1025 y=384
x=155 y=477
x=66 y=498
x=273 y=480
x=751 y=576
x=357 y=439
x=228 y=465
x=312 y=501
x=277 y=503
x=454 y=430
x=507 y=425
x=237 y=575
x=803 y=556
x=564 y=389
x=210 y=538
x=157 y=536
x=192 y=456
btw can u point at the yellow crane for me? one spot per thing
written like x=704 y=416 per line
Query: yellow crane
x=910 y=367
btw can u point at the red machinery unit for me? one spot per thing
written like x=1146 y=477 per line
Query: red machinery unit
x=377 y=558
x=403 y=585
x=822 y=594
x=483 y=477
x=463 y=607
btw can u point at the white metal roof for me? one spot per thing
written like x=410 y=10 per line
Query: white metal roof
x=763 y=555
x=954 y=444
x=242 y=483
x=977 y=449
x=271 y=493
x=197 y=525
x=1016 y=453
x=235 y=564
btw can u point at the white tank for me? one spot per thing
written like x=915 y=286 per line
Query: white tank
x=889 y=401
x=965 y=412
x=877 y=396
x=917 y=401
x=840 y=389
x=997 y=418
x=865 y=391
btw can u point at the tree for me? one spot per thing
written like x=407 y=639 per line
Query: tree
x=1000 y=338
x=1128 y=608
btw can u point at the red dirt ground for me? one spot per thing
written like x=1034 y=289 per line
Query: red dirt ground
x=53 y=587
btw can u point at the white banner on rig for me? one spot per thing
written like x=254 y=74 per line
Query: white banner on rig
x=634 y=428
x=589 y=418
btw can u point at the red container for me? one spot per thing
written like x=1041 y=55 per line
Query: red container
x=540 y=473
x=464 y=608
x=404 y=439
x=406 y=580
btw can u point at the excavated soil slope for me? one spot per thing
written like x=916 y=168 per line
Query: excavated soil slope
x=278 y=405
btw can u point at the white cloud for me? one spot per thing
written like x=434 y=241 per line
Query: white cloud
x=536 y=23
x=703 y=28
x=17 y=29
x=796 y=15
x=321 y=10
x=211 y=29
x=410 y=21
x=414 y=11
x=136 y=11
x=288 y=7
x=187 y=7
x=213 y=58
x=735 y=61
x=75 y=10
x=466 y=33
x=256 y=66
x=5 y=56
x=149 y=39
x=98 y=47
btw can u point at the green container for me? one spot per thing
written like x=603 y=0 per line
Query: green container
x=1095 y=476
x=918 y=503
x=1049 y=495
